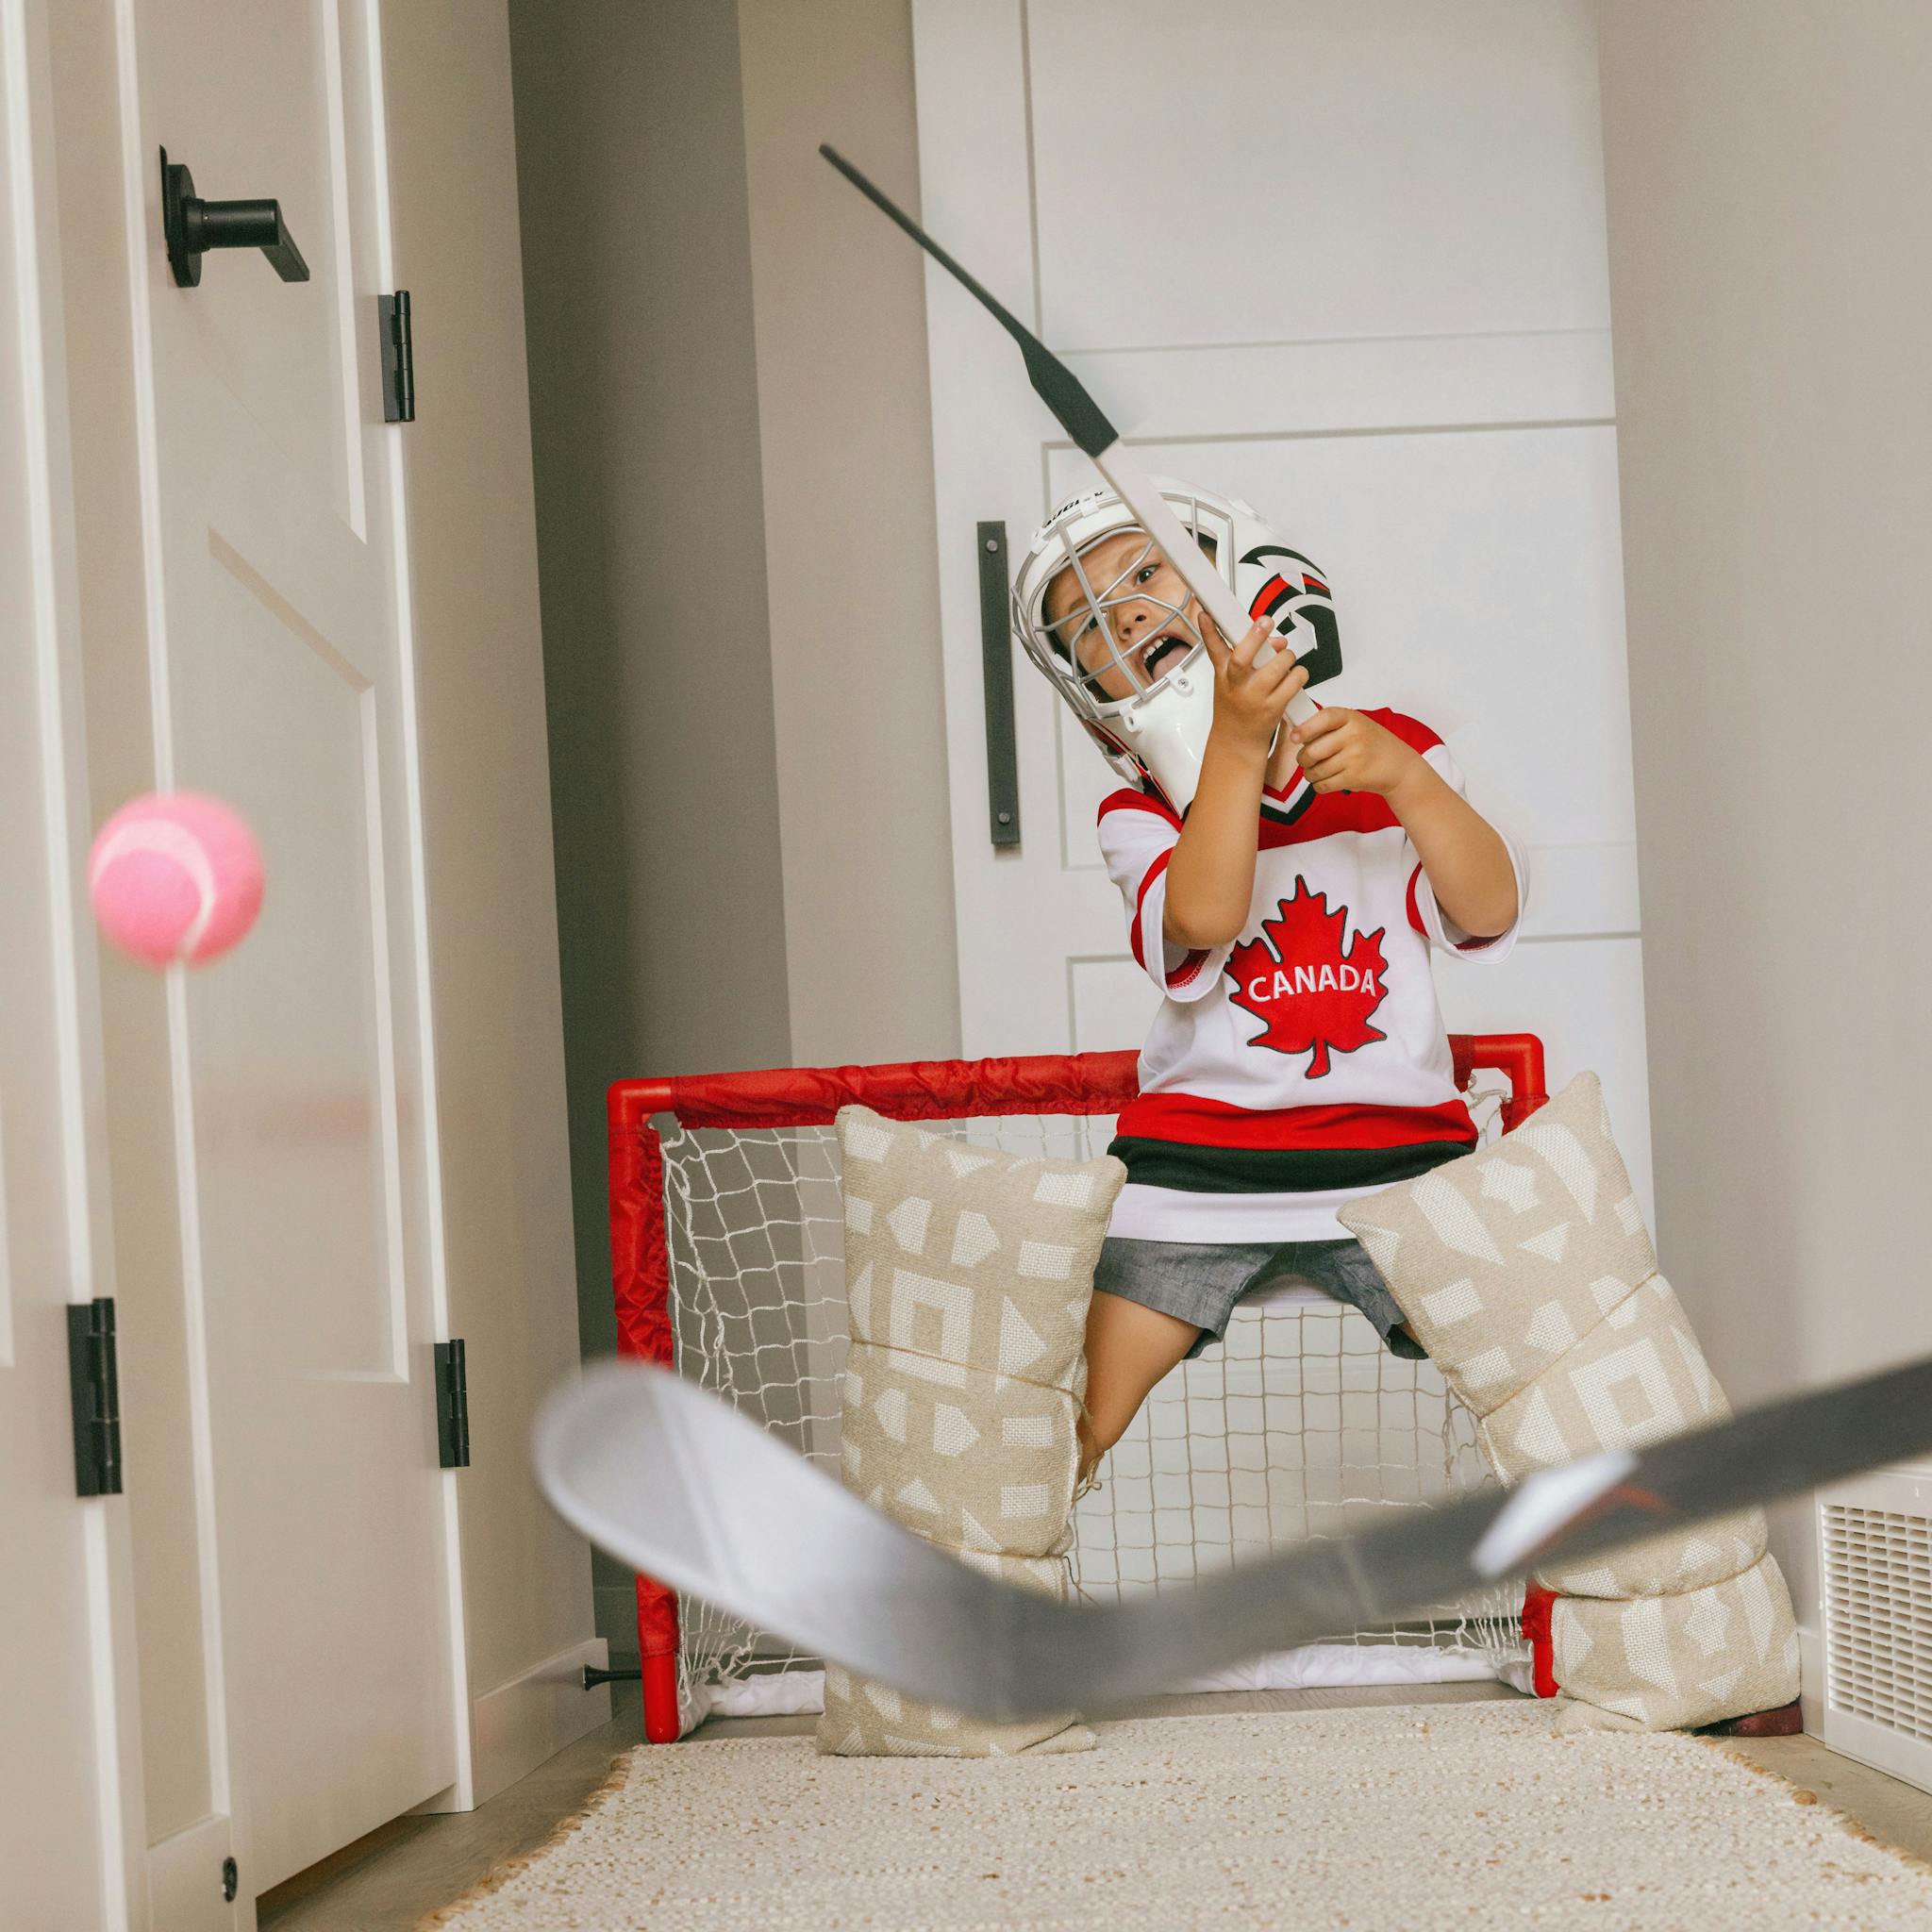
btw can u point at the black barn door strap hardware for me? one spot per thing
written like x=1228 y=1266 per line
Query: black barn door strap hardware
x=996 y=668
x=193 y=226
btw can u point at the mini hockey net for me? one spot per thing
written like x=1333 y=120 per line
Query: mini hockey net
x=727 y=1230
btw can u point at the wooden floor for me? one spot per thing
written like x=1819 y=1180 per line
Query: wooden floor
x=388 y=1881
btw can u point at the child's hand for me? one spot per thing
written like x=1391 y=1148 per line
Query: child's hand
x=1342 y=751
x=1250 y=700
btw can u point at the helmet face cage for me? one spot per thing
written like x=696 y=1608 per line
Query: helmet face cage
x=1064 y=651
x=1157 y=731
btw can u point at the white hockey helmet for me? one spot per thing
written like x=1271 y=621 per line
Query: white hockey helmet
x=1159 y=728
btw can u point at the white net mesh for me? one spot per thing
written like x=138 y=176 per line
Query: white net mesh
x=1297 y=1425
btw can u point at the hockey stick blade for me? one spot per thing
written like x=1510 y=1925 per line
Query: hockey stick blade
x=679 y=1485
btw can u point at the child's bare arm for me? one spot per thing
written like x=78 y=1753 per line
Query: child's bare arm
x=1467 y=863
x=1210 y=877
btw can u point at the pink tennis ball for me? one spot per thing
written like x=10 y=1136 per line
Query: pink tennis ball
x=175 y=875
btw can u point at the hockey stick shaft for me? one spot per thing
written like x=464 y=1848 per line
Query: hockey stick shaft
x=667 y=1477
x=1082 y=418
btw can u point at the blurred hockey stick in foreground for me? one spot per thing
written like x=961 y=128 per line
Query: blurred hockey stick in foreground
x=680 y=1486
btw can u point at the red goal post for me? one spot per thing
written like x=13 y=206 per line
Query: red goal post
x=1083 y=1083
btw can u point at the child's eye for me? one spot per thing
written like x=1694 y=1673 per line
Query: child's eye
x=1146 y=573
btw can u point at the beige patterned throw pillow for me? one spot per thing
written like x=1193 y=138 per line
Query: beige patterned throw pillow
x=1525 y=1271
x=1671 y=1661
x=968 y=1272
x=1503 y=1259
x=1638 y=1377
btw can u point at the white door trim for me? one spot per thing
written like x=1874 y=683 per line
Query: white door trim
x=43 y=551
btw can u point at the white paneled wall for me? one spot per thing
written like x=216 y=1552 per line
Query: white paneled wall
x=1348 y=260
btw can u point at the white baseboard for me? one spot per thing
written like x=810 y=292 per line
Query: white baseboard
x=517 y=1725
x=184 y=1880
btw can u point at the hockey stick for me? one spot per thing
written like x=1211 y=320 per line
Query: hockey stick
x=1081 y=417
x=681 y=1486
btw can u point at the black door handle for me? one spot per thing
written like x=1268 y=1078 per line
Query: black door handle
x=193 y=226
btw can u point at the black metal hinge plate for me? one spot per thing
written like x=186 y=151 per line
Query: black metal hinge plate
x=398 y=357
x=452 y=1405
x=95 y=1379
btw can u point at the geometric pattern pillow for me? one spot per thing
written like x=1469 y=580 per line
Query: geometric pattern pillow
x=1525 y=1271
x=1638 y=1377
x=1502 y=1260
x=968 y=1274
x=1672 y=1661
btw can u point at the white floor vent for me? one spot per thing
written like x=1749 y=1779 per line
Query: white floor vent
x=1875 y=1535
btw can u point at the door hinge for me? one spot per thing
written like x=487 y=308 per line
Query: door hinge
x=398 y=357
x=94 y=1379
x=452 y=1407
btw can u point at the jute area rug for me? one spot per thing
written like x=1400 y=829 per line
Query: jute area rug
x=1381 y=1819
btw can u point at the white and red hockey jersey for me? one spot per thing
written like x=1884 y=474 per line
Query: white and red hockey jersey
x=1305 y=1063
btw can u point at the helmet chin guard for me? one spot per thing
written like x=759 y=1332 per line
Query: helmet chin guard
x=1156 y=727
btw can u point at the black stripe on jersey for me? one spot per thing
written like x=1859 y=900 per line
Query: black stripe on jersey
x=1195 y=1170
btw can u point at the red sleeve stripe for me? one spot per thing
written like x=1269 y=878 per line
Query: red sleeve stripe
x=1186 y=973
x=1153 y=873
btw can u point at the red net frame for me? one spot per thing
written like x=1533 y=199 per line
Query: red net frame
x=1081 y=1083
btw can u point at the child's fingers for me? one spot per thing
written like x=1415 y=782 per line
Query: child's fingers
x=1218 y=652
x=1282 y=676
x=1245 y=652
x=1332 y=718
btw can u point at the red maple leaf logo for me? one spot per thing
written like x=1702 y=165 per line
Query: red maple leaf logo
x=1314 y=997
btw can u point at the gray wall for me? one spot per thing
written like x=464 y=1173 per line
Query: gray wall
x=1768 y=169
x=650 y=537
x=643 y=410
x=732 y=445
x=838 y=299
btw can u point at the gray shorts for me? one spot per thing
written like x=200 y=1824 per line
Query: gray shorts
x=1201 y=1282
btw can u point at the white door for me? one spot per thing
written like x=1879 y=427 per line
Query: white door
x=303 y=1132
x=69 y=1787
x=1346 y=260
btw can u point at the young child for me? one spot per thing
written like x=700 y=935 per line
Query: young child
x=1283 y=887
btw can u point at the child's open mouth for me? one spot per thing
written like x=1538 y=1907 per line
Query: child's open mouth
x=1157 y=651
